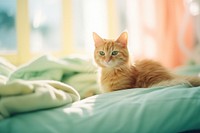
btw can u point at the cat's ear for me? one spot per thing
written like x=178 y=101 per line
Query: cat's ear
x=97 y=39
x=123 y=38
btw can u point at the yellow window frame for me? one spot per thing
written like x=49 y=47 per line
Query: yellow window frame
x=23 y=53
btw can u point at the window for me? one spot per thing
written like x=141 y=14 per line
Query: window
x=60 y=27
x=45 y=24
x=63 y=27
x=7 y=26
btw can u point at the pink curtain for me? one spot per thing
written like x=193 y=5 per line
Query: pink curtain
x=168 y=18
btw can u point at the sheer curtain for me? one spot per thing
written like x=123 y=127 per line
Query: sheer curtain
x=157 y=30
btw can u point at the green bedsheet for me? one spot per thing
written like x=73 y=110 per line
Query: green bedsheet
x=156 y=110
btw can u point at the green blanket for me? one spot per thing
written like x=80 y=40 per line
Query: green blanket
x=45 y=82
x=78 y=72
x=22 y=96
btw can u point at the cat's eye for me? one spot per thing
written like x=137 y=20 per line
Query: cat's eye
x=101 y=53
x=115 y=52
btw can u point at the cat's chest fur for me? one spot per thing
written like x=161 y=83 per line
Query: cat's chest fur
x=115 y=79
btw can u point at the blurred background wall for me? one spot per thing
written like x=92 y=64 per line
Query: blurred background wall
x=164 y=30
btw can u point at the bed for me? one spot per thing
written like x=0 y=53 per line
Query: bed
x=66 y=98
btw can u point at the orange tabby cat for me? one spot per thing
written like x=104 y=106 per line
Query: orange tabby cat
x=117 y=72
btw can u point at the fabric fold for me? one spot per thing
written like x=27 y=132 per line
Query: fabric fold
x=21 y=96
x=74 y=70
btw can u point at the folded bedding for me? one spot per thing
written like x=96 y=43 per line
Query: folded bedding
x=155 y=110
x=65 y=70
x=19 y=96
x=85 y=83
x=49 y=67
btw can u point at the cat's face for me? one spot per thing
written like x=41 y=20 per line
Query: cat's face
x=110 y=53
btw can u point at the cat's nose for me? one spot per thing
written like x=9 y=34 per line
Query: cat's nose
x=107 y=60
